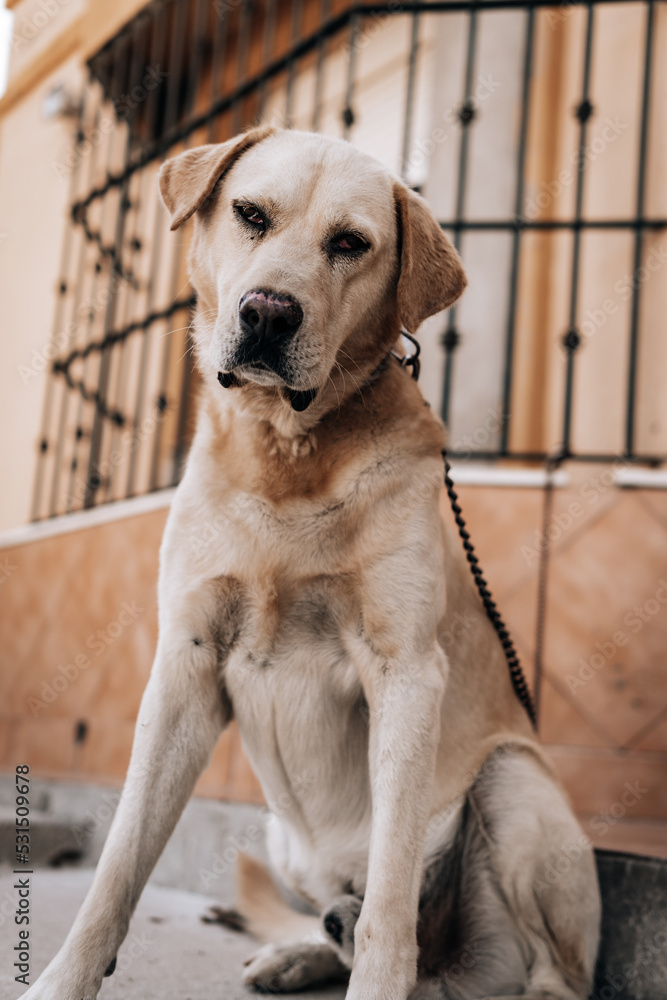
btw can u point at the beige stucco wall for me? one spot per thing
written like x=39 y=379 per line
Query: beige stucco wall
x=47 y=51
x=86 y=604
x=33 y=203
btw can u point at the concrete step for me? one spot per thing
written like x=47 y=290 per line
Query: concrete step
x=54 y=838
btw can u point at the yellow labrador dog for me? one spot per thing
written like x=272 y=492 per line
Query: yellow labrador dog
x=334 y=618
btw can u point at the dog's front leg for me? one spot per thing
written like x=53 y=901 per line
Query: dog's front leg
x=181 y=716
x=404 y=698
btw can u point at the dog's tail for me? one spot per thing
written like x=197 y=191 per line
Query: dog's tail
x=265 y=913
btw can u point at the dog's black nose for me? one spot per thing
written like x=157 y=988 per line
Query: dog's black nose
x=269 y=316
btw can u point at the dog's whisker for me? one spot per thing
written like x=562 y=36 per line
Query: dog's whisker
x=363 y=374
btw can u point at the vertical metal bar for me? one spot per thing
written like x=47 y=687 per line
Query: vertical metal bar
x=217 y=64
x=450 y=338
x=90 y=322
x=516 y=243
x=166 y=355
x=242 y=61
x=639 y=233
x=65 y=397
x=93 y=479
x=116 y=77
x=177 y=47
x=267 y=47
x=199 y=26
x=572 y=338
x=291 y=69
x=178 y=39
x=160 y=46
x=186 y=376
x=141 y=53
x=410 y=95
x=348 y=113
x=58 y=318
x=319 y=71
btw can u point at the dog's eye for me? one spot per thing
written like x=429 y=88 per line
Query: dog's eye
x=349 y=243
x=251 y=214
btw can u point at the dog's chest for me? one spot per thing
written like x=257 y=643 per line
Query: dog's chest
x=295 y=692
x=292 y=634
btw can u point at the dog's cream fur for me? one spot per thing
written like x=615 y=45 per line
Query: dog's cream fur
x=325 y=616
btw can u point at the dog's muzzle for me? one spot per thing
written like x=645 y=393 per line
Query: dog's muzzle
x=268 y=320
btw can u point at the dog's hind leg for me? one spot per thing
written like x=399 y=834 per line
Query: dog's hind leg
x=491 y=925
x=503 y=926
x=298 y=953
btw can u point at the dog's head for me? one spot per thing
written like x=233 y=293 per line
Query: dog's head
x=307 y=255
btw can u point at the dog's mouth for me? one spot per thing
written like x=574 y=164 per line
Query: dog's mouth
x=260 y=374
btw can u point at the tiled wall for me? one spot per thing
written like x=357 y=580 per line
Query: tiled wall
x=603 y=706
x=78 y=626
x=86 y=601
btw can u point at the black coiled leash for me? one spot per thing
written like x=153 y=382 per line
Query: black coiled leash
x=516 y=673
x=517 y=677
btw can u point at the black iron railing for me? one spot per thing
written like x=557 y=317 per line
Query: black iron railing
x=118 y=409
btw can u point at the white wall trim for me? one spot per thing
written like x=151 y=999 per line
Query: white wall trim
x=647 y=479
x=80 y=520
x=468 y=474
x=487 y=474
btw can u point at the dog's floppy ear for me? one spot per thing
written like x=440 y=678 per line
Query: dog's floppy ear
x=432 y=276
x=188 y=180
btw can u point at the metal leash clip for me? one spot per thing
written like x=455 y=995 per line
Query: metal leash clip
x=410 y=360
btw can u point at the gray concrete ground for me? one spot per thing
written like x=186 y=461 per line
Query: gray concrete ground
x=169 y=953
x=70 y=818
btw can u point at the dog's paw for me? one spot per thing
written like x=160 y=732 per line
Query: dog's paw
x=339 y=921
x=276 y=969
